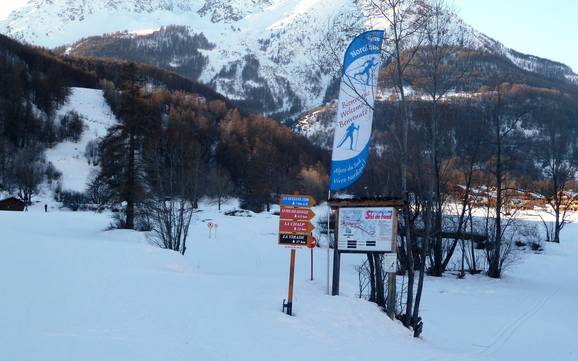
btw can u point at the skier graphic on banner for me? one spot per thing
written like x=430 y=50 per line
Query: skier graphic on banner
x=351 y=130
x=367 y=71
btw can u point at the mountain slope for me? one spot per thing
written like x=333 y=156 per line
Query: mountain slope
x=46 y=100
x=69 y=157
x=259 y=52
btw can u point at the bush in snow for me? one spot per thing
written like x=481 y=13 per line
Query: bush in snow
x=74 y=200
x=92 y=152
x=52 y=174
x=71 y=127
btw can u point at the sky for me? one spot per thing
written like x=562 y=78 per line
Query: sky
x=548 y=29
x=7 y=6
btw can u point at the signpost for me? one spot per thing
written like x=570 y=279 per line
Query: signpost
x=311 y=244
x=295 y=232
x=367 y=226
x=210 y=225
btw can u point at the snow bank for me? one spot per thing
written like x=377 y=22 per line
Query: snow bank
x=73 y=291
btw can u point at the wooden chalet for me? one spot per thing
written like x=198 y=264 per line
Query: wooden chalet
x=12 y=204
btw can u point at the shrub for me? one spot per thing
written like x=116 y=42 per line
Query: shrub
x=74 y=200
x=71 y=127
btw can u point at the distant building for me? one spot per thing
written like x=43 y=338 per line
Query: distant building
x=12 y=204
x=512 y=198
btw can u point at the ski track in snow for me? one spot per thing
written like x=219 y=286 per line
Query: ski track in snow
x=510 y=328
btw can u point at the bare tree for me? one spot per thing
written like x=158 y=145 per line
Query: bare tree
x=219 y=184
x=28 y=172
x=438 y=68
x=504 y=124
x=172 y=191
x=404 y=21
x=558 y=154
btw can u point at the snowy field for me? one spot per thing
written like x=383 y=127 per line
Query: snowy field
x=71 y=290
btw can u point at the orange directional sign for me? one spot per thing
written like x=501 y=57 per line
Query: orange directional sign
x=300 y=227
x=304 y=214
x=294 y=220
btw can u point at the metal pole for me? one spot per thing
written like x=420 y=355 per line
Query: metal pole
x=328 y=290
x=311 y=264
x=391 y=277
x=336 y=259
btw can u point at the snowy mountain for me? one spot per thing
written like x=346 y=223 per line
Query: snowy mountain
x=258 y=52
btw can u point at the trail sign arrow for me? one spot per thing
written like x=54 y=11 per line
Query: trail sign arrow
x=288 y=200
x=301 y=227
x=293 y=239
x=303 y=214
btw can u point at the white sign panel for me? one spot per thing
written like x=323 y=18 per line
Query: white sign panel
x=365 y=229
x=390 y=262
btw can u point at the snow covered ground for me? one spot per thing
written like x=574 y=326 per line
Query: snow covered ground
x=68 y=157
x=70 y=290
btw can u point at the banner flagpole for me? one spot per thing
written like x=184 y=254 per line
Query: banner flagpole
x=354 y=111
x=328 y=290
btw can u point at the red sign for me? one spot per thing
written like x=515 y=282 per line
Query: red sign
x=304 y=214
x=286 y=226
x=311 y=242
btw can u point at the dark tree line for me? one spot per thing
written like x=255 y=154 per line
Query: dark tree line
x=168 y=142
x=33 y=84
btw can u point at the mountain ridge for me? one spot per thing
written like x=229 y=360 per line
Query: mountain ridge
x=262 y=53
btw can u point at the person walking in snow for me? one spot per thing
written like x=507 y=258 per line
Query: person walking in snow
x=46 y=208
x=349 y=135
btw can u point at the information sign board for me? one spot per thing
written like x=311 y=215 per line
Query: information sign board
x=366 y=229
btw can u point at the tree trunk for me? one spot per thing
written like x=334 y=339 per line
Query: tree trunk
x=130 y=191
x=379 y=286
x=372 y=295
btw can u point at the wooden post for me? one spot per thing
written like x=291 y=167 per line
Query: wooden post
x=336 y=257
x=391 y=277
x=289 y=305
x=336 y=270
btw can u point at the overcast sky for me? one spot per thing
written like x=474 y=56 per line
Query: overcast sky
x=548 y=29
